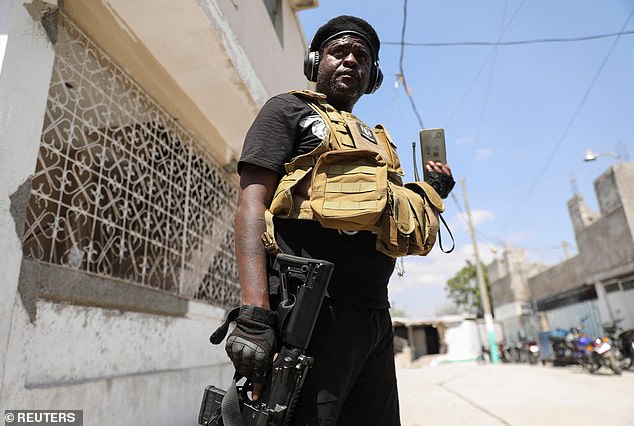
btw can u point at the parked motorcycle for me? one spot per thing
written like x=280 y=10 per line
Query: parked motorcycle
x=504 y=350
x=571 y=346
x=622 y=342
x=526 y=350
x=531 y=348
x=604 y=355
x=504 y=354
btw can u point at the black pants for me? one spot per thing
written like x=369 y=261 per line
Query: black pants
x=353 y=379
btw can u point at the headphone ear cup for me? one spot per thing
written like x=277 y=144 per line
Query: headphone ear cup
x=376 y=78
x=311 y=65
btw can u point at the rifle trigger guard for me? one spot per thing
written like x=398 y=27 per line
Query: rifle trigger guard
x=283 y=311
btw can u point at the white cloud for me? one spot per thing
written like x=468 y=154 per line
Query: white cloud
x=483 y=153
x=420 y=292
x=464 y=141
x=460 y=220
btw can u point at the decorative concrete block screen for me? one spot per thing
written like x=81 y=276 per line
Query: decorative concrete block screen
x=121 y=189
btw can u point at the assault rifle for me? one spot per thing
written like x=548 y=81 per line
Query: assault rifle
x=303 y=285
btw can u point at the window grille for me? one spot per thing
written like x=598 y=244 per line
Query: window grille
x=122 y=190
x=609 y=288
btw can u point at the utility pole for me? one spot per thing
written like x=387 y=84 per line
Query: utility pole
x=484 y=294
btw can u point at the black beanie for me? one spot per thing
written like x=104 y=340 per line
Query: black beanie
x=346 y=24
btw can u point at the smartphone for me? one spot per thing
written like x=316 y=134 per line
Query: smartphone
x=432 y=147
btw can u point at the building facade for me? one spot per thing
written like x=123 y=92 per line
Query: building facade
x=594 y=287
x=120 y=127
x=511 y=295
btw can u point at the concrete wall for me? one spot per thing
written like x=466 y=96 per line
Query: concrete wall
x=625 y=183
x=118 y=366
x=279 y=62
x=618 y=306
x=606 y=259
x=606 y=247
x=211 y=64
x=556 y=279
x=73 y=340
x=501 y=291
x=509 y=277
x=24 y=79
x=507 y=310
x=142 y=357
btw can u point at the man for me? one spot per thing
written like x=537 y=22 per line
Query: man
x=353 y=378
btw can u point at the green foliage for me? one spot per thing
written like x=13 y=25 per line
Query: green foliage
x=464 y=292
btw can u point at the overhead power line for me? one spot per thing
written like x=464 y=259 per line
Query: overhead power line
x=510 y=43
x=401 y=75
x=486 y=98
x=486 y=59
x=568 y=126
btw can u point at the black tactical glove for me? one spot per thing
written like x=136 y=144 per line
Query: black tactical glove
x=442 y=183
x=253 y=342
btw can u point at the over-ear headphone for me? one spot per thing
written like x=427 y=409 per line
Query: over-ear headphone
x=311 y=65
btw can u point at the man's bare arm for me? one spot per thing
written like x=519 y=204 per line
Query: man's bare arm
x=257 y=186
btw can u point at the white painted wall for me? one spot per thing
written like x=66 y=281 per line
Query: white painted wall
x=121 y=368
x=24 y=81
x=6 y=7
x=277 y=64
x=463 y=342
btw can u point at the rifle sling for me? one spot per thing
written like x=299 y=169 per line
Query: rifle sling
x=221 y=331
x=230 y=407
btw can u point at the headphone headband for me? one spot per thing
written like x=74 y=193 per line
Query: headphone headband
x=355 y=33
x=312 y=58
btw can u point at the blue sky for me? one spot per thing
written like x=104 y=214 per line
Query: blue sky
x=518 y=118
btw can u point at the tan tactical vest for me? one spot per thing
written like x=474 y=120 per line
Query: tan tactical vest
x=353 y=181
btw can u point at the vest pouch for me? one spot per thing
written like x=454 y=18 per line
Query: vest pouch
x=397 y=223
x=284 y=202
x=427 y=205
x=349 y=189
x=399 y=236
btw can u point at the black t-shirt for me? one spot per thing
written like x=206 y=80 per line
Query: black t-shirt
x=286 y=127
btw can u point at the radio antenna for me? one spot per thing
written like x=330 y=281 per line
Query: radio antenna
x=416 y=178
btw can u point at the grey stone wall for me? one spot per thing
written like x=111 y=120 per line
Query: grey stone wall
x=605 y=244
x=606 y=247
x=501 y=292
x=561 y=277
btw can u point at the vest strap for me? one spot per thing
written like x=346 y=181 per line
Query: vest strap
x=350 y=188
x=349 y=205
x=268 y=236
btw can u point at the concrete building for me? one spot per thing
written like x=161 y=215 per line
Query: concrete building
x=451 y=338
x=589 y=289
x=120 y=126
x=511 y=295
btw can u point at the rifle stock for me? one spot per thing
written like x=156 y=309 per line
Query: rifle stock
x=304 y=283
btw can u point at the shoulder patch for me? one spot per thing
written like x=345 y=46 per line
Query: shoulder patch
x=317 y=125
x=366 y=132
